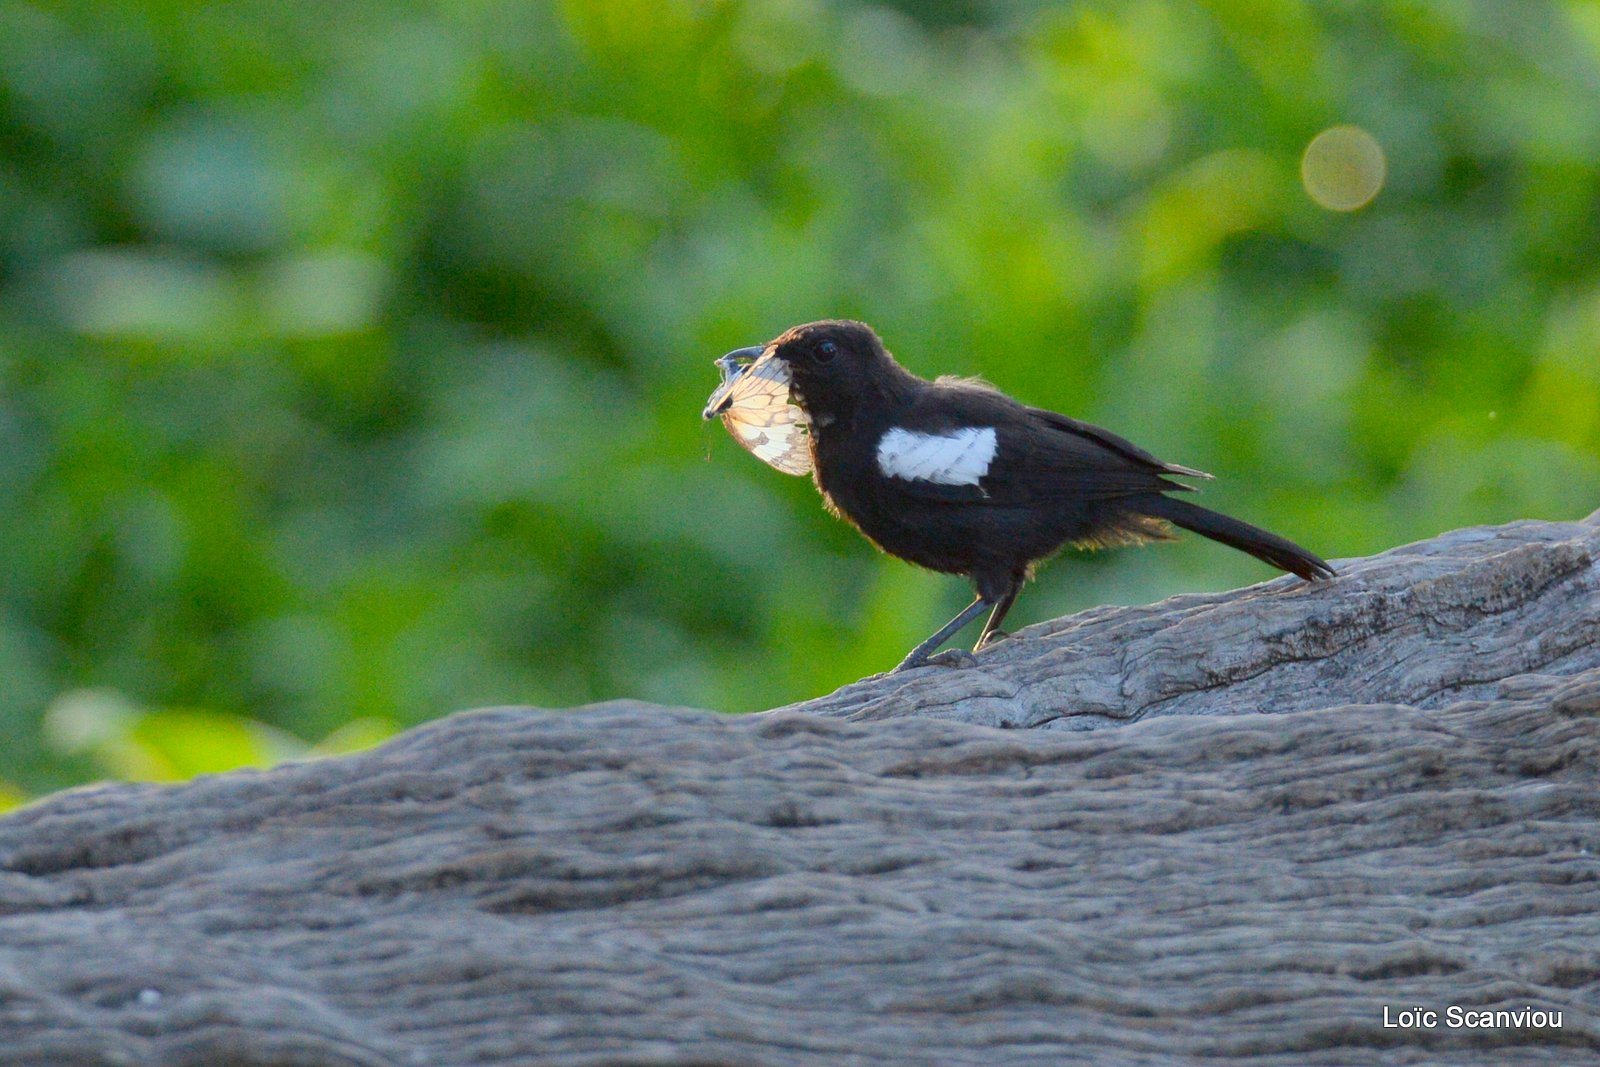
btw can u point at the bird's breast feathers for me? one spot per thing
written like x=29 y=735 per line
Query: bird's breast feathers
x=956 y=457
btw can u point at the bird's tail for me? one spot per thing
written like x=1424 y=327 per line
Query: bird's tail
x=1267 y=547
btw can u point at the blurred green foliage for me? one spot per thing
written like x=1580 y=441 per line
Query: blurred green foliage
x=351 y=357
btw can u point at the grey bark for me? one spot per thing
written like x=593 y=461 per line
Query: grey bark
x=1249 y=823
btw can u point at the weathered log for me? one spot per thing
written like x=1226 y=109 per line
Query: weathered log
x=1316 y=804
x=1428 y=624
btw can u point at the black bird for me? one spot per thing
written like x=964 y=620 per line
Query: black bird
x=954 y=475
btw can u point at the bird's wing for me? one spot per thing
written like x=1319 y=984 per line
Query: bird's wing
x=1118 y=445
x=1039 y=454
x=1054 y=457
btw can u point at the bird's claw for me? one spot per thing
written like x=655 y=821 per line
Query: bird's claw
x=993 y=638
x=952 y=657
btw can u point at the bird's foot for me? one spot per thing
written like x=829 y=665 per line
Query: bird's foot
x=950 y=657
x=994 y=637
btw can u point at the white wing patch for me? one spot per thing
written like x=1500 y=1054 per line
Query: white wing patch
x=961 y=457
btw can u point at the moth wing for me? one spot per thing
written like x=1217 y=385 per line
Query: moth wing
x=756 y=410
x=781 y=442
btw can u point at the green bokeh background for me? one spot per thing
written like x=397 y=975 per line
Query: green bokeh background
x=351 y=355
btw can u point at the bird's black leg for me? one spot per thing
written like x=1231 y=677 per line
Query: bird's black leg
x=1003 y=605
x=919 y=656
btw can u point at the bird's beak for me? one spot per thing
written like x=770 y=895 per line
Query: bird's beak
x=734 y=365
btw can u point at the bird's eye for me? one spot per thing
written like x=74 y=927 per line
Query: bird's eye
x=825 y=352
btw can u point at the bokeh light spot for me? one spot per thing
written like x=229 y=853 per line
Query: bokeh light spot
x=1343 y=168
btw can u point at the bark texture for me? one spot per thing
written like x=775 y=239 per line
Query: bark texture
x=1249 y=824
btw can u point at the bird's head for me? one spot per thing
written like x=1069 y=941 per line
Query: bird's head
x=830 y=367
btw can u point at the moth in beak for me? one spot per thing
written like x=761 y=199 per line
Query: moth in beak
x=754 y=404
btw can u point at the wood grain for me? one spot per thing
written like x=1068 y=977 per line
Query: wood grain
x=1241 y=827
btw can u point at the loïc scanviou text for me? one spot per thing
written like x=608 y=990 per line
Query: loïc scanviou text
x=1456 y=1017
